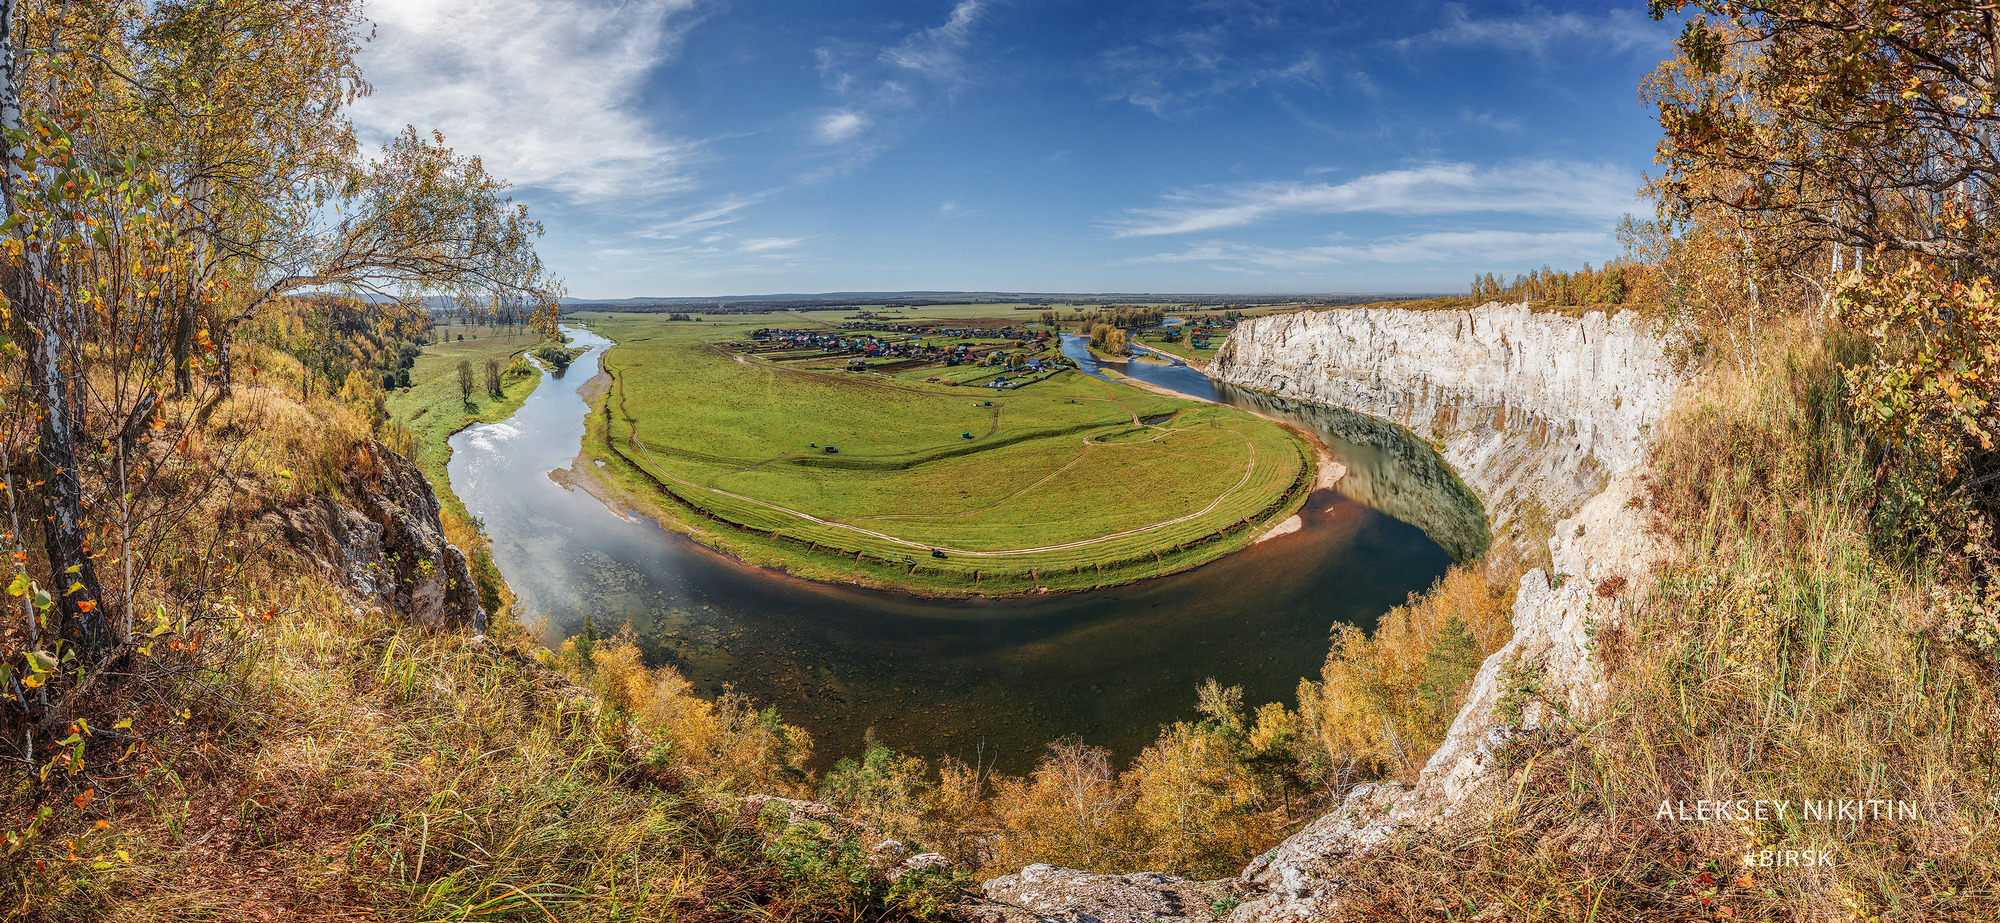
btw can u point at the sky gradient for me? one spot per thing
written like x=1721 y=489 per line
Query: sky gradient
x=691 y=147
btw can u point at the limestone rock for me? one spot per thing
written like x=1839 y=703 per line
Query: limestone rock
x=917 y=863
x=1530 y=408
x=1546 y=677
x=1542 y=416
x=388 y=546
x=1052 y=893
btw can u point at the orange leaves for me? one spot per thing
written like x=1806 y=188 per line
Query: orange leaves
x=1931 y=388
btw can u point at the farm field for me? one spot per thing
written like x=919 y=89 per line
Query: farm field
x=1064 y=482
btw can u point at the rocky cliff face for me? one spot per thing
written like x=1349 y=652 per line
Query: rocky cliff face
x=1544 y=417
x=1547 y=676
x=385 y=543
x=1536 y=412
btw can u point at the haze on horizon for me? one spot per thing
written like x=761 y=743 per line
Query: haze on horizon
x=700 y=148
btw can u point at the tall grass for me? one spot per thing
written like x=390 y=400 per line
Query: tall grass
x=1783 y=658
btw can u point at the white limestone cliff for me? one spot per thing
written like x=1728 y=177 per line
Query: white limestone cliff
x=1529 y=408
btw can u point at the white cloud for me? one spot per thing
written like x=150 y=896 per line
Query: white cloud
x=1535 y=30
x=937 y=52
x=1470 y=247
x=889 y=86
x=701 y=218
x=1542 y=188
x=839 y=126
x=546 y=91
x=767 y=244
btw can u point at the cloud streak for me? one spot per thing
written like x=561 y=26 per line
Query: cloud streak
x=1470 y=247
x=884 y=89
x=1536 y=30
x=1549 y=189
x=546 y=91
x=938 y=52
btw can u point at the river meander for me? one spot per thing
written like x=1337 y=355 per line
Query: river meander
x=991 y=678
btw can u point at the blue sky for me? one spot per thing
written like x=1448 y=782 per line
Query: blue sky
x=698 y=147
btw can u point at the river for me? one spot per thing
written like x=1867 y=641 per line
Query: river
x=975 y=678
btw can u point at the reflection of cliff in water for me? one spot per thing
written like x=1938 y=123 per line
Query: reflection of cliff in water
x=1388 y=468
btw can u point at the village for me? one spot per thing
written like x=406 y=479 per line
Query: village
x=1002 y=358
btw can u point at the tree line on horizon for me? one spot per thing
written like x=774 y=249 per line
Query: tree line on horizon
x=1611 y=285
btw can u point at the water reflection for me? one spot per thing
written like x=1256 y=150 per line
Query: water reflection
x=1388 y=467
x=931 y=676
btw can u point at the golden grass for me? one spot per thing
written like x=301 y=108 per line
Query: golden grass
x=1781 y=659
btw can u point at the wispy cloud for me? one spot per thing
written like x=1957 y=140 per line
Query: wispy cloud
x=1189 y=69
x=546 y=91
x=1470 y=247
x=938 y=52
x=768 y=244
x=885 y=88
x=1175 y=59
x=1545 y=188
x=701 y=218
x=1536 y=30
x=840 y=125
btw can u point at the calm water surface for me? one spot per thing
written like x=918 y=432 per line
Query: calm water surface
x=972 y=678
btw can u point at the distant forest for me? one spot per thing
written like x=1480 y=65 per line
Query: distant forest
x=1615 y=284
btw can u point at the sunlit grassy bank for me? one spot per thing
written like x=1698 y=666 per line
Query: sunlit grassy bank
x=436 y=405
x=433 y=407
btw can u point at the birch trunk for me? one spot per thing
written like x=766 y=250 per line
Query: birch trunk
x=64 y=533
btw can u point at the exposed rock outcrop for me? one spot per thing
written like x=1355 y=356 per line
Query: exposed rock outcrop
x=386 y=544
x=1544 y=416
x=1546 y=677
x=1533 y=410
x=1058 y=894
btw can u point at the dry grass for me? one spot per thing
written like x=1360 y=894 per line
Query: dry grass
x=1782 y=659
x=346 y=766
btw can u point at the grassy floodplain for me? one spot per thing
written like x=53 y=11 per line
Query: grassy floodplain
x=1066 y=483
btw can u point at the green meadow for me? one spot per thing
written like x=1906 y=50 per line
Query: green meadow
x=1066 y=483
x=432 y=408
